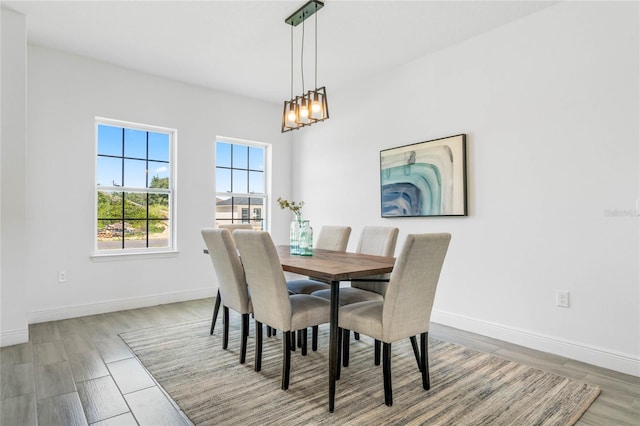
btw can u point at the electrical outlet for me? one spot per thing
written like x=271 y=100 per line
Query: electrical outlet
x=62 y=276
x=562 y=298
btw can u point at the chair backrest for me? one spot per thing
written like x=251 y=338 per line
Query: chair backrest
x=379 y=241
x=333 y=238
x=233 y=226
x=407 y=305
x=265 y=278
x=229 y=271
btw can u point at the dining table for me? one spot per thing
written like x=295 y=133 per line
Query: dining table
x=332 y=267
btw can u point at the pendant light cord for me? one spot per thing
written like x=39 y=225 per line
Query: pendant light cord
x=292 y=62
x=316 y=64
x=302 y=58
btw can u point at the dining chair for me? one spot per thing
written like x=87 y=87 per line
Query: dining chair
x=331 y=237
x=232 y=287
x=375 y=240
x=405 y=310
x=272 y=303
x=216 y=308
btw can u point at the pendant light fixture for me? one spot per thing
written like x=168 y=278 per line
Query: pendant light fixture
x=310 y=107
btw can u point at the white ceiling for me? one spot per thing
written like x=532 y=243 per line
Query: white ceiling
x=243 y=47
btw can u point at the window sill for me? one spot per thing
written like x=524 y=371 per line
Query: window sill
x=116 y=257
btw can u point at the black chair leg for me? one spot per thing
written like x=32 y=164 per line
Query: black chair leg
x=416 y=352
x=286 y=358
x=258 y=355
x=340 y=331
x=225 y=324
x=346 y=334
x=314 y=338
x=299 y=335
x=216 y=308
x=356 y=335
x=376 y=351
x=303 y=348
x=245 y=336
x=268 y=331
x=386 y=373
x=292 y=337
x=424 y=358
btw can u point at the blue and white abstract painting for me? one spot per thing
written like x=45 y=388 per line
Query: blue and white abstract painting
x=424 y=179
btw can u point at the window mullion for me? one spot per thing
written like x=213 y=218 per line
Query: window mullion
x=241 y=194
x=247 y=173
x=122 y=184
x=146 y=168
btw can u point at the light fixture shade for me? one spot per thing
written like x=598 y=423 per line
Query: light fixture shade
x=289 y=116
x=303 y=106
x=319 y=105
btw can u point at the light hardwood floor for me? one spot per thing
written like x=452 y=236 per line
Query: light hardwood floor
x=78 y=371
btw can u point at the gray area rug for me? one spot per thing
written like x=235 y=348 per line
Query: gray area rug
x=467 y=387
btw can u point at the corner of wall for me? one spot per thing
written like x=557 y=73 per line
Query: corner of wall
x=13 y=178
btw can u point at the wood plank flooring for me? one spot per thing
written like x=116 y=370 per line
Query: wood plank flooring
x=78 y=372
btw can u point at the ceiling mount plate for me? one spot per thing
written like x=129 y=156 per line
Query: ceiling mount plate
x=304 y=12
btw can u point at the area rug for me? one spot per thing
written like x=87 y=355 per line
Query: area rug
x=467 y=387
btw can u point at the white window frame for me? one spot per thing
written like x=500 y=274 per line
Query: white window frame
x=266 y=217
x=144 y=252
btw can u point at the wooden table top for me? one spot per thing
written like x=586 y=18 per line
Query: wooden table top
x=329 y=265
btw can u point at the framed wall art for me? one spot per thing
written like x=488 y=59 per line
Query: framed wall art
x=424 y=179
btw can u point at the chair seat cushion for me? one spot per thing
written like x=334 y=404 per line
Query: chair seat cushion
x=350 y=295
x=363 y=317
x=305 y=286
x=308 y=311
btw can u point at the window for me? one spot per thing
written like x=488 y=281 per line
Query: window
x=240 y=183
x=134 y=188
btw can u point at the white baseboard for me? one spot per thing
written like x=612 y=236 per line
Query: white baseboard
x=118 y=305
x=624 y=363
x=14 y=337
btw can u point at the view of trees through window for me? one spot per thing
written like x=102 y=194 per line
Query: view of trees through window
x=133 y=188
x=240 y=184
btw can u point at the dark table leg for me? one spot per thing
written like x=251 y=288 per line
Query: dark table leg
x=333 y=342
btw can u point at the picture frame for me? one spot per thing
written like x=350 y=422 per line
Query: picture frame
x=424 y=179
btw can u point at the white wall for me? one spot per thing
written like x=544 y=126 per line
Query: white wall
x=65 y=93
x=550 y=108
x=13 y=314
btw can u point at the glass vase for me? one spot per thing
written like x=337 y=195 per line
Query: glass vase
x=294 y=235
x=306 y=239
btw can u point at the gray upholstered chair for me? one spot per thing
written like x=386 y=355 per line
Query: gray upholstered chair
x=232 y=286
x=375 y=240
x=378 y=241
x=406 y=308
x=272 y=304
x=330 y=238
x=231 y=227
